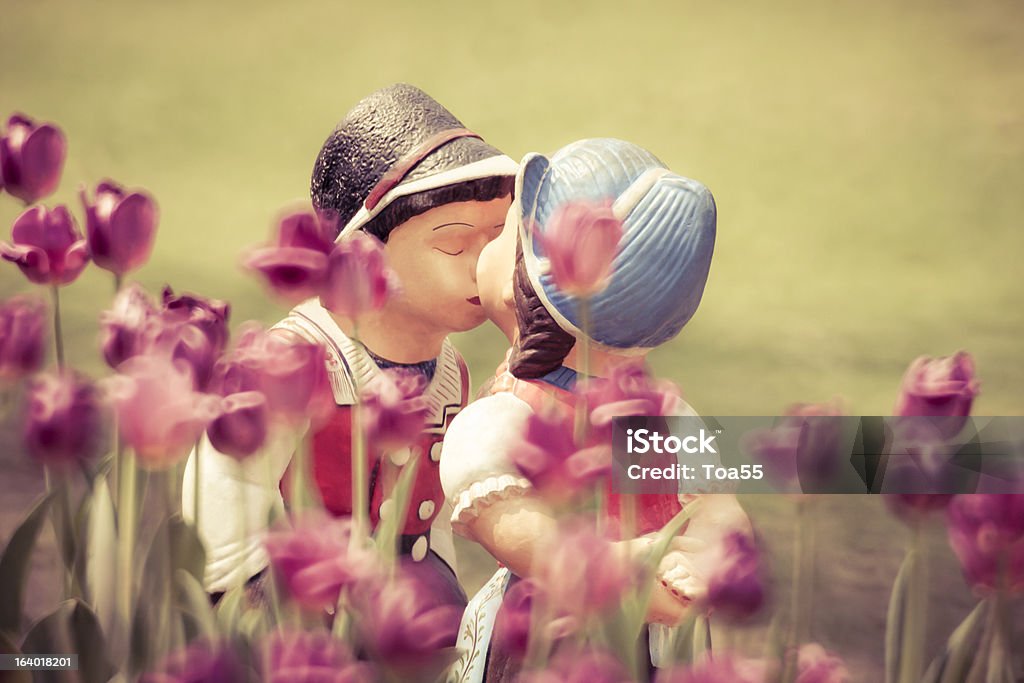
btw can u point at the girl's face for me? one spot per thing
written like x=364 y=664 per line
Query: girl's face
x=494 y=275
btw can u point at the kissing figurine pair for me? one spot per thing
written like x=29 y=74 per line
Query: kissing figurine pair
x=462 y=227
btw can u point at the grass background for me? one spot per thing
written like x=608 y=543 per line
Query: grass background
x=867 y=159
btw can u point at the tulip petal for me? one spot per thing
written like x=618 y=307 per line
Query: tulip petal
x=42 y=160
x=33 y=261
x=75 y=261
x=132 y=229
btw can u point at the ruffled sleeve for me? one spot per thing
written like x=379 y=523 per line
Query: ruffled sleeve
x=476 y=464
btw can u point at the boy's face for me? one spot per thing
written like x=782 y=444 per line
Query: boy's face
x=494 y=275
x=435 y=257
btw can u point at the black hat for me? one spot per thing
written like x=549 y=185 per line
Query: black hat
x=393 y=143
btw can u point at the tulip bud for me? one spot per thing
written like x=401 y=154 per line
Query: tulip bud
x=23 y=328
x=31 y=158
x=580 y=242
x=295 y=264
x=358 y=280
x=120 y=227
x=47 y=246
x=241 y=428
x=940 y=387
x=64 y=424
x=130 y=325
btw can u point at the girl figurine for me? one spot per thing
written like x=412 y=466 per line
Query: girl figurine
x=657 y=281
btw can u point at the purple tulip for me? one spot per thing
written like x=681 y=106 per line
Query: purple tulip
x=804 y=450
x=130 y=326
x=735 y=586
x=200 y=662
x=573 y=666
x=986 y=532
x=31 y=158
x=241 y=427
x=394 y=410
x=512 y=625
x=64 y=424
x=23 y=326
x=815 y=665
x=311 y=657
x=120 y=227
x=358 y=280
x=720 y=669
x=319 y=557
x=581 y=241
x=47 y=246
x=628 y=390
x=159 y=413
x=549 y=458
x=295 y=265
x=403 y=625
x=195 y=330
x=570 y=560
x=941 y=387
x=289 y=371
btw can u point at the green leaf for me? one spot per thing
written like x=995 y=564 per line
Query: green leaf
x=194 y=603
x=100 y=556
x=894 y=623
x=953 y=665
x=71 y=629
x=229 y=610
x=14 y=565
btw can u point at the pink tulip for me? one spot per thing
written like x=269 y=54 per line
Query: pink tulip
x=628 y=390
x=319 y=557
x=202 y=661
x=47 y=246
x=310 y=657
x=573 y=666
x=130 y=326
x=31 y=158
x=160 y=415
x=941 y=387
x=295 y=264
x=64 y=424
x=720 y=669
x=358 y=280
x=394 y=410
x=986 y=532
x=549 y=458
x=570 y=560
x=120 y=227
x=735 y=587
x=581 y=241
x=815 y=665
x=290 y=372
x=241 y=427
x=512 y=625
x=23 y=326
x=403 y=625
x=803 y=452
x=195 y=332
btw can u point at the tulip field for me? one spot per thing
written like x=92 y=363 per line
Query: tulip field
x=866 y=161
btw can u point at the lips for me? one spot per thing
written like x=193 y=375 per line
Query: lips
x=474 y=300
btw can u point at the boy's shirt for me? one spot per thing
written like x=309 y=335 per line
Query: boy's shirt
x=241 y=497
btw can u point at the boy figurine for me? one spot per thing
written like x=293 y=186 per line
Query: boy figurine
x=402 y=168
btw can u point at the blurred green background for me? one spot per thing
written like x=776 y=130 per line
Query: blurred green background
x=867 y=159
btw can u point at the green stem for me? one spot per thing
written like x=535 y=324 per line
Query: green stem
x=917 y=603
x=118 y=282
x=126 y=545
x=196 y=478
x=796 y=626
x=360 y=504
x=58 y=336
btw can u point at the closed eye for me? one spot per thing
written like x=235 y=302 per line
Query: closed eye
x=450 y=253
